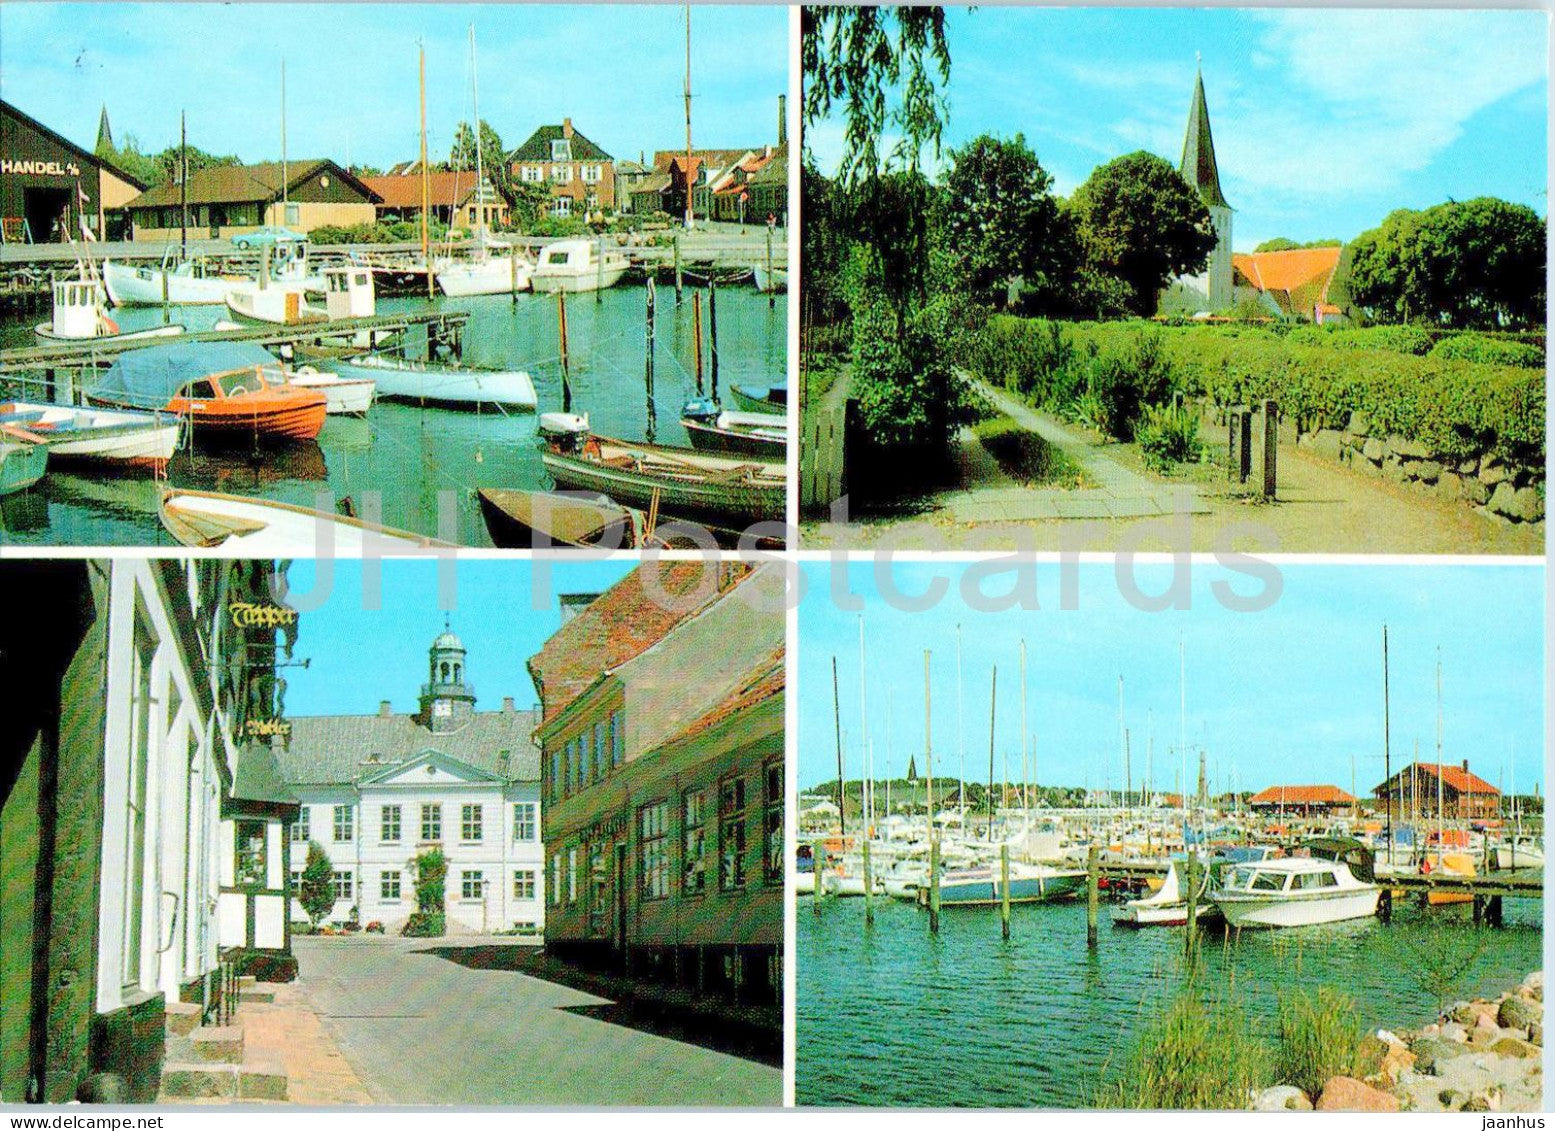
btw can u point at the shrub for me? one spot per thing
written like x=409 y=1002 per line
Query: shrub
x=431 y=871
x=265 y=967
x=425 y=925
x=1025 y=455
x=1193 y=1055
x=1169 y=435
x=1390 y=339
x=1126 y=380
x=1319 y=1036
x=1488 y=351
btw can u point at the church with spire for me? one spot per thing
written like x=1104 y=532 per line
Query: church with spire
x=1212 y=290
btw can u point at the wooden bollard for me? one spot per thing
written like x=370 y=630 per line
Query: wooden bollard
x=712 y=337
x=1092 y=893
x=648 y=363
x=933 y=883
x=1004 y=889
x=678 y=283
x=771 y=279
x=869 y=887
x=1271 y=447
x=818 y=864
x=1190 y=926
x=513 y=275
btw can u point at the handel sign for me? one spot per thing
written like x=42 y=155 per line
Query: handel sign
x=40 y=168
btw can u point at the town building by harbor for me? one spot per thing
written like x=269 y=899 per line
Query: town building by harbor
x=580 y=175
x=50 y=186
x=1303 y=800
x=228 y=200
x=662 y=772
x=1428 y=790
x=453 y=197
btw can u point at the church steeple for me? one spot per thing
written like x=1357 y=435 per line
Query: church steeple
x=447 y=700
x=1198 y=150
x=105 y=146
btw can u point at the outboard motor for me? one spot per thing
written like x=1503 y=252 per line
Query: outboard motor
x=704 y=410
x=567 y=432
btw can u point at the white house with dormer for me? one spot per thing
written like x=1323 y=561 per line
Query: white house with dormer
x=376 y=791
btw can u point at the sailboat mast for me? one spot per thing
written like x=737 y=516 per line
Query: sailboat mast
x=993 y=697
x=689 y=217
x=960 y=730
x=426 y=185
x=863 y=712
x=285 y=188
x=1025 y=753
x=480 y=173
x=928 y=742
x=1182 y=730
x=836 y=711
x=1440 y=846
x=1387 y=752
x=183 y=186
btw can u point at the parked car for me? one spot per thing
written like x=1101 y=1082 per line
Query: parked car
x=267 y=237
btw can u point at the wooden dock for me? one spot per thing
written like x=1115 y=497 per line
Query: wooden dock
x=442 y=325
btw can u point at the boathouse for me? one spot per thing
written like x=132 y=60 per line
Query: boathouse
x=1302 y=800
x=1414 y=792
x=228 y=200
x=580 y=175
x=454 y=198
x=117 y=769
x=662 y=773
x=49 y=184
x=376 y=791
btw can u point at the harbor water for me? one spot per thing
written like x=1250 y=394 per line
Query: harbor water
x=892 y=1016
x=419 y=464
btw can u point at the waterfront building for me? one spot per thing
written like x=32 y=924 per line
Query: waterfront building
x=228 y=200
x=454 y=197
x=1302 y=800
x=648 y=196
x=125 y=765
x=580 y=175
x=662 y=771
x=731 y=189
x=1415 y=789
x=49 y=185
x=376 y=791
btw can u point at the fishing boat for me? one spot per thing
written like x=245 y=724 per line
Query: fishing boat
x=193 y=282
x=114 y=436
x=343 y=396
x=577 y=265
x=79 y=315
x=485 y=273
x=732 y=492
x=981 y=884
x=21 y=465
x=224 y=389
x=759 y=435
x=769 y=281
x=1296 y=892
x=263 y=529
x=437 y=383
x=348 y=293
x=761 y=398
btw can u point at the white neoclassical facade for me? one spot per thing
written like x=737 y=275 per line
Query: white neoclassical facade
x=377 y=791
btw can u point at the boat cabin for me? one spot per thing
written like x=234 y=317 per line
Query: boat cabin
x=233 y=384
x=1252 y=878
x=77 y=308
x=348 y=293
x=566 y=255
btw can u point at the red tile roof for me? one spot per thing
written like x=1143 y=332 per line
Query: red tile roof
x=1302 y=795
x=1287 y=272
x=447 y=189
x=1457 y=777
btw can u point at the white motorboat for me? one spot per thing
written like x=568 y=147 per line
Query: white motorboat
x=190 y=283
x=119 y=437
x=775 y=280
x=845 y=885
x=343 y=396
x=1521 y=852
x=348 y=293
x=453 y=385
x=1029 y=883
x=79 y=315
x=263 y=529
x=577 y=265
x=1298 y=892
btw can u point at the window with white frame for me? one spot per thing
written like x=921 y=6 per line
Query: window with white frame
x=389 y=886
x=774 y=827
x=555 y=886
x=558 y=786
x=296 y=881
x=301 y=834
x=341 y=882
x=143 y=656
x=572 y=875
x=653 y=879
x=693 y=842
x=561 y=206
x=593 y=174
x=431 y=822
x=249 y=865
x=471 y=884
x=390 y=824
x=561 y=174
x=561 y=149
x=533 y=174
x=470 y=821
x=523 y=885
x=731 y=834
x=524 y=820
x=344 y=824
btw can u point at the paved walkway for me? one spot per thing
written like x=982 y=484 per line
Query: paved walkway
x=289 y=1031
x=1119 y=492
x=419 y=1028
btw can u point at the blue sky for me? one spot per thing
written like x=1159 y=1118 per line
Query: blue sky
x=366 y=643
x=1324 y=120
x=616 y=70
x=1285 y=696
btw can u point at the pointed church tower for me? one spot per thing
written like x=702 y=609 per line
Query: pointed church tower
x=447 y=701
x=104 y=146
x=1200 y=170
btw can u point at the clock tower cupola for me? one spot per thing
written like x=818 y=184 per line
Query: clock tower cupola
x=447 y=700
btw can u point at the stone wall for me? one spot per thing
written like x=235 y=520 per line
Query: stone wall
x=1507 y=490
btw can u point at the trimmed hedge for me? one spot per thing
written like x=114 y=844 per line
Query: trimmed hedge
x=1453 y=407
x=1489 y=351
x=1393 y=339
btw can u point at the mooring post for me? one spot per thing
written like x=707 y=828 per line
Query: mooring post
x=167 y=315
x=771 y=279
x=648 y=363
x=696 y=331
x=678 y=281
x=712 y=335
x=513 y=274
x=1479 y=910
x=1271 y=447
x=1385 y=905
x=1190 y=924
x=933 y=880
x=1493 y=911
x=1092 y=893
x=869 y=887
x=818 y=864
x=599 y=270
x=1004 y=889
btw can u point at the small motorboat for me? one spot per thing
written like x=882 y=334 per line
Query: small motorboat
x=541 y=519
x=193 y=282
x=264 y=529
x=1294 y=892
x=1520 y=852
x=981 y=884
x=449 y=386
x=224 y=389
x=771 y=399
x=759 y=435
x=21 y=464
x=80 y=315
x=114 y=436
x=577 y=265
x=343 y=396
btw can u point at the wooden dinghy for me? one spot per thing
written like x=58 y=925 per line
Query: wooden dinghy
x=22 y=463
x=114 y=436
x=262 y=528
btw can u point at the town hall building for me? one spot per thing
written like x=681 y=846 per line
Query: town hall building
x=376 y=791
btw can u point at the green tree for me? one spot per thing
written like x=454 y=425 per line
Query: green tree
x=883 y=66
x=316 y=892
x=1282 y=244
x=1139 y=221
x=998 y=218
x=494 y=164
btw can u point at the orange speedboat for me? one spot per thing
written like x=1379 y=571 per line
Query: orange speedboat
x=224 y=389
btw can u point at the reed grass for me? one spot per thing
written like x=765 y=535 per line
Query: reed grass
x=1319 y=1035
